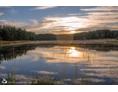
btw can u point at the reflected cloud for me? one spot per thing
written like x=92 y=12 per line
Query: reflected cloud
x=60 y=54
x=17 y=76
x=68 y=79
x=95 y=65
x=22 y=77
x=91 y=80
x=103 y=75
x=73 y=53
x=103 y=67
x=2 y=67
x=83 y=81
x=35 y=59
x=97 y=80
x=3 y=75
x=46 y=72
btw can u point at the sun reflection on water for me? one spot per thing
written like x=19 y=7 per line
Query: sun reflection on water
x=73 y=52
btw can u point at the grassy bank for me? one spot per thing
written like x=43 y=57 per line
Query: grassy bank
x=73 y=42
x=111 y=40
x=9 y=43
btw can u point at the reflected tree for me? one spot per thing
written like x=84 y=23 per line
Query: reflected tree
x=11 y=52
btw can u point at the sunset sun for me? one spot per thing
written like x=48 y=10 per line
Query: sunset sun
x=72 y=32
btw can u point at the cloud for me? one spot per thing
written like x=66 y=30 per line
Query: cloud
x=1 y=13
x=74 y=14
x=34 y=21
x=3 y=21
x=103 y=16
x=46 y=72
x=17 y=24
x=91 y=21
x=100 y=20
x=68 y=22
x=101 y=8
x=2 y=67
x=63 y=25
x=5 y=6
x=13 y=11
x=43 y=7
x=34 y=26
x=55 y=24
x=88 y=22
x=100 y=25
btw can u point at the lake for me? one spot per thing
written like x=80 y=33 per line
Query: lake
x=79 y=64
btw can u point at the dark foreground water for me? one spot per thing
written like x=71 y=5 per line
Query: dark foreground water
x=97 y=64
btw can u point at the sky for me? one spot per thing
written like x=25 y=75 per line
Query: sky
x=60 y=19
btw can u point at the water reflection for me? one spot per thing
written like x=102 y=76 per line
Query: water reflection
x=69 y=64
x=62 y=55
x=73 y=53
x=10 y=52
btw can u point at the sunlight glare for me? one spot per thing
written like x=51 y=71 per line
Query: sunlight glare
x=71 y=32
x=73 y=52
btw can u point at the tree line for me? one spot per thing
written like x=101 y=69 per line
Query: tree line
x=97 y=34
x=12 y=33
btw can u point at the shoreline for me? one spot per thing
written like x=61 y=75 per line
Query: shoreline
x=56 y=42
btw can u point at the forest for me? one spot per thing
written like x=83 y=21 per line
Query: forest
x=11 y=33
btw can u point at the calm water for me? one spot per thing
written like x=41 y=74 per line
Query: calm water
x=67 y=64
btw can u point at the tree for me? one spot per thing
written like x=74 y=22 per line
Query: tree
x=12 y=33
x=115 y=34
